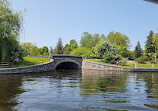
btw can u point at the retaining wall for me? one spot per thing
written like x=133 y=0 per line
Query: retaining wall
x=35 y=68
x=89 y=65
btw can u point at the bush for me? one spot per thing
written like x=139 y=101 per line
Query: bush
x=111 y=58
x=124 y=62
x=142 y=59
x=152 y=61
x=109 y=51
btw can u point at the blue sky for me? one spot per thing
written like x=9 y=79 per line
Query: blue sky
x=47 y=20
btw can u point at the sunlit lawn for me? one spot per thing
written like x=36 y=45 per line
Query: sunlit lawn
x=130 y=65
x=31 y=61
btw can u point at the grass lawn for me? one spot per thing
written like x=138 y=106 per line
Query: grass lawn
x=130 y=64
x=31 y=61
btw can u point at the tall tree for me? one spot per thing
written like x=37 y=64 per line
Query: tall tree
x=70 y=47
x=44 y=51
x=119 y=39
x=149 y=43
x=51 y=50
x=89 y=40
x=59 y=47
x=138 y=51
x=10 y=26
x=155 y=40
x=30 y=49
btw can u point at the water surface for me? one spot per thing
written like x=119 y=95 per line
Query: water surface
x=76 y=90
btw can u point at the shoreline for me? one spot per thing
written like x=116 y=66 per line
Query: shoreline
x=86 y=65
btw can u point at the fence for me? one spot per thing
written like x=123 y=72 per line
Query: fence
x=4 y=64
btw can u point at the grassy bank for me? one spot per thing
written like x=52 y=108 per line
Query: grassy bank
x=130 y=64
x=31 y=61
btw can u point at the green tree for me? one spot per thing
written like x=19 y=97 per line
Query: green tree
x=73 y=45
x=66 y=47
x=70 y=47
x=119 y=39
x=59 y=47
x=30 y=49
x=110 y=52
x=89 y=40
x=82 y=51
x=138 y=51
x=155 y=40
x=149 y=43
x=44 y=51
x=51 y=50
x=10 y=26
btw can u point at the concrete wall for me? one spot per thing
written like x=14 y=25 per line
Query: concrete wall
x=97 y=66
x=35 y=68
x=88 y=65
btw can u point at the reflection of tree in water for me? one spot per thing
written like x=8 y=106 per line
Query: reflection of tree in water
x=151 y=80
x=110 y=85
x=9 y=88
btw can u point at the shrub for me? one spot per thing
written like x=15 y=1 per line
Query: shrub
x=152 y=61
x=124 y=62
x=142 y=59
x=109 y=51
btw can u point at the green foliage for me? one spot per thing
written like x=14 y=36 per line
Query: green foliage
x=11 y=22
x=70 y=47
x=66 y=47
x=89 y=40
x=125 y=53
x=150 y=56
x=51 y=50
x=138 y=51
x=110 y=52
x=30 y=49
x=82 y=51
x=149 y=43
x=155 y=41
x=119 y=39
x=142 y=59
x=59 y=47
x=44 y=51
x=124 y=62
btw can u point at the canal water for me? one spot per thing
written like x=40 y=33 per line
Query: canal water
x=79 y=90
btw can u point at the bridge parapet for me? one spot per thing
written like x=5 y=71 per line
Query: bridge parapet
x=52 y=56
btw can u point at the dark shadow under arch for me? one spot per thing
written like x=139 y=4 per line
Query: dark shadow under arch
x=67 y=65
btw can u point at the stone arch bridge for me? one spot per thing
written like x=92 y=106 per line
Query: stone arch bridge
x=57 y=62
x=65 y=62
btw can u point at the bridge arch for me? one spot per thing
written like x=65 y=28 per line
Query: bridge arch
x=67 y=64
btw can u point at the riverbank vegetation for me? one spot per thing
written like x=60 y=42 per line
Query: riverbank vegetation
x=11 y=23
